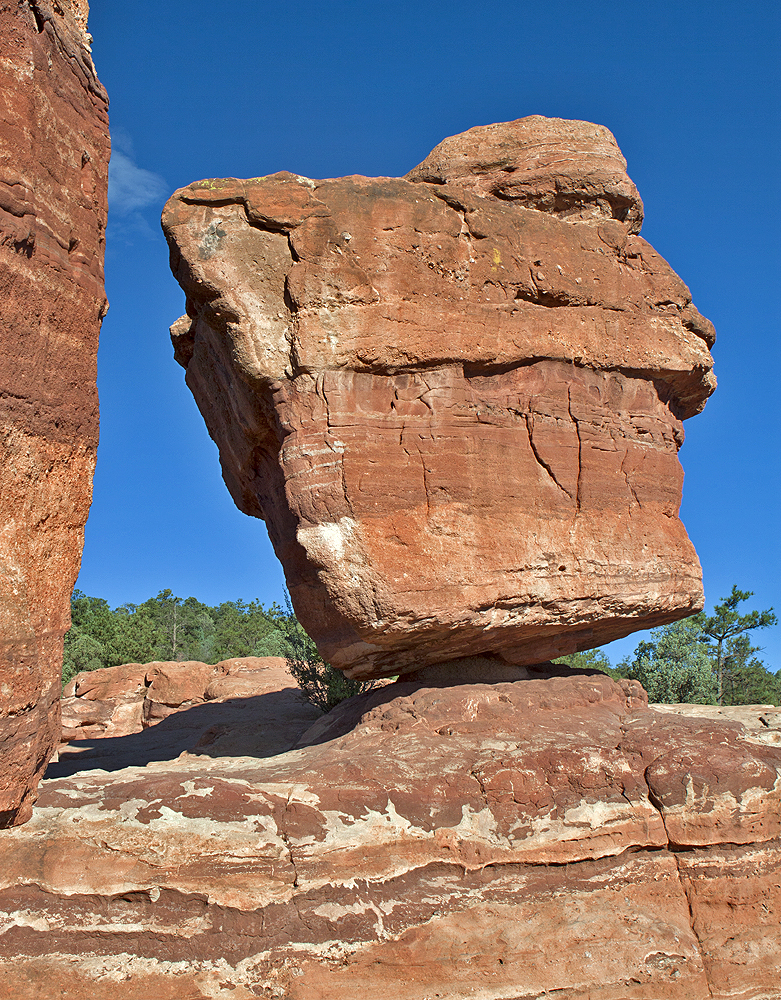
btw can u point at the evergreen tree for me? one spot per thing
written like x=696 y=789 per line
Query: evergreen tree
x=166 y=627
x=323 y=685
x=675 y=666
x=746 y=681
x=727 y=624
x=81 y=652
x=589 y=659
x=243 y=629
x=136 y=636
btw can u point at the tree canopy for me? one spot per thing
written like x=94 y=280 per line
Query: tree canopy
x=727 y=628
x=167 y=627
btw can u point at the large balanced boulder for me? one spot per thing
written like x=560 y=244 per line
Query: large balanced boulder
x=543 y=837
x=456 y=397
x=54 y=153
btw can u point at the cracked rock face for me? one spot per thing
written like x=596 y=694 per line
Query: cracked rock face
x=480 y=840
x=54 y=153
x=455 y=397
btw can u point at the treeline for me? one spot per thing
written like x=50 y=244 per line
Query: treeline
x=704 y=659
x=167 y=627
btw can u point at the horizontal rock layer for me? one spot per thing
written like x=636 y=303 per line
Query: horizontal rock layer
x=485 y=840
x=457 y=406
x=54 y=153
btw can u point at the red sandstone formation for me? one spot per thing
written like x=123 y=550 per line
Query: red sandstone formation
x=481 y=840
x=119 y=701
x=455 y=397
x=54 y=153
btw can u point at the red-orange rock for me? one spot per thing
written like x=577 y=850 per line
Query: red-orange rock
x=100 y=707
x=484 y=840
x=574 y=170
x=456 y=397
x=54 y=153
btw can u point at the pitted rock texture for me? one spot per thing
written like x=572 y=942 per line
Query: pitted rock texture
x=455 y=397
x=484 y=840
x=574 y=170
x=54 y=153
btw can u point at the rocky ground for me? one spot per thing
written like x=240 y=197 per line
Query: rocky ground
x=483 y=840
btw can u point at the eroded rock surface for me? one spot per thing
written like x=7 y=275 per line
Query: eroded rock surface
x=763 y=722
x=455 y=397
x=54 y=153
x=139 y=712
x=485 y=840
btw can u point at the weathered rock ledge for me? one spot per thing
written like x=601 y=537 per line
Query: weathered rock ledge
x=485 y=840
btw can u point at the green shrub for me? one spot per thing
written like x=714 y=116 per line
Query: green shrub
x=81 y=652
x=322 y=685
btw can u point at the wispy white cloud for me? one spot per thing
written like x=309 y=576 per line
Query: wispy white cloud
x=131 y=188
x=122 y=141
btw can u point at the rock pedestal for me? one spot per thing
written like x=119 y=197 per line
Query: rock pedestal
x=455 y=397
x=484 y=840
x=54 y=153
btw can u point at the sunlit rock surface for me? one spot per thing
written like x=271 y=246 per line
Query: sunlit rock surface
x=154 y=711
x=483 y=840
x=54 y=153
x=455 y=397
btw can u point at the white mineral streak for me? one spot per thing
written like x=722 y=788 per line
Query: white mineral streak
x=745 y=819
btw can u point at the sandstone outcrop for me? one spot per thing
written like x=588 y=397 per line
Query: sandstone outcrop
x=54 y=153
x=456 y=397
x=483 y=840
x=221 y=706
x=763 y=722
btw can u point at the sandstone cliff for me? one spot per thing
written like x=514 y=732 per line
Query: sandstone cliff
x=54 y=153
x=455 y=397
x=478 y=841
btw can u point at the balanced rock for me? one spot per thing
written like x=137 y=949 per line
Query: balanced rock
x=456 y=397
x=545 y=837
x=54 y=153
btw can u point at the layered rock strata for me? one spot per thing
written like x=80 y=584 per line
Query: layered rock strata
x=456 y=397
x=487 y=841
x=54 y=153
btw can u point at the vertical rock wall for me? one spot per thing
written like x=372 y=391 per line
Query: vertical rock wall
x=54 y=153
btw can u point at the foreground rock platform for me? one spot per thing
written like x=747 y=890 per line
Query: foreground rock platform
x=54 y=153
x=487 y=840
x=456 y=397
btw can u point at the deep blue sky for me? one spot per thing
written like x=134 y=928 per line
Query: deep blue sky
x=691 y=92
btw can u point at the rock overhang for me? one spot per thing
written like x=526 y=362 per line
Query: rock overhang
x=439 y=390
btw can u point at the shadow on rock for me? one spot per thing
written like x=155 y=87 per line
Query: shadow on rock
x=259 y=726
